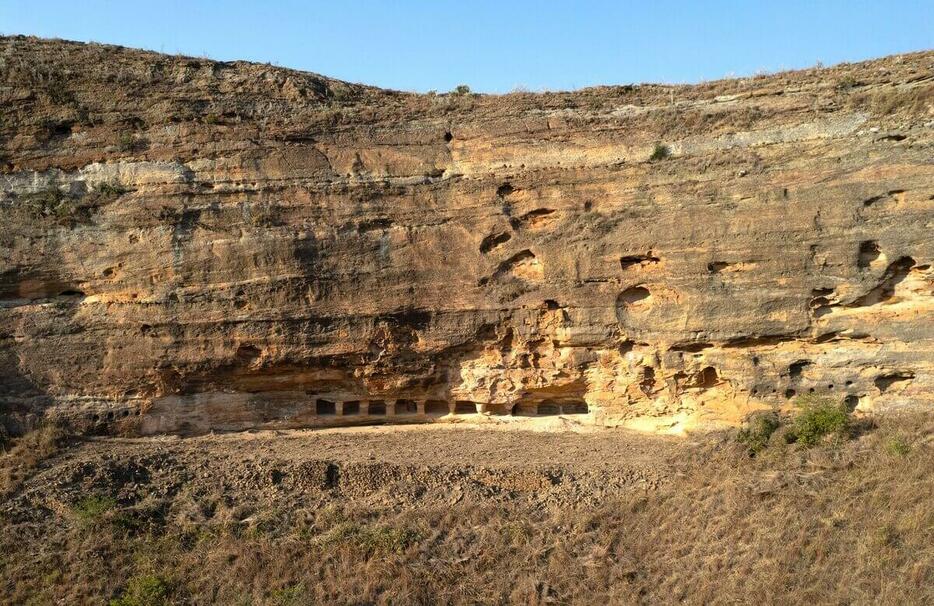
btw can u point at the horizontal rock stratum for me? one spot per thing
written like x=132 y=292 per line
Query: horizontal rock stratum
x=189 y=245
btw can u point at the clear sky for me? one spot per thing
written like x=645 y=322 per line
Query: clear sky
x=496 y=46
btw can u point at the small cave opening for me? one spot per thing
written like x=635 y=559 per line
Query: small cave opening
x=574 y=408
x=377 y=408
x=851 y=402
x=633 y=295
x=548 y=408
x=325 y=408
x=523 y=265
x=789 y=394
x=436 y=408
x=795 y=368
x=869 y=251
x=537 y=218
x=551 y=305
x=493 y=240
x=884 y=382
x=716 y=267
x=523 y=410
x=351 y=407
x=247 y=353
x=406 y=407
x=893 y=275
x=448 y=136
x=628 y=261
x=504 y=190
x=647 y=383
x=465 y=407
x=71 y=293
x=707 y=378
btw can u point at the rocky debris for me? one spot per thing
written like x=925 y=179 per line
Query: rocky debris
x=375 y=467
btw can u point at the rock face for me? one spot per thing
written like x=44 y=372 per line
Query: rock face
x=190 y=245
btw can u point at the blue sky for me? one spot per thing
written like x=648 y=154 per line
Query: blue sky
x=496 y=46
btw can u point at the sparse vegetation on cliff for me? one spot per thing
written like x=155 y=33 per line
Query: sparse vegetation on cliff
x=660 y=152
x=819 y=418
x=758 y=430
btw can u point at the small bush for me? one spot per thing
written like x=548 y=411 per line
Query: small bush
x=755 y=436
x=462 y=89
x=264 y=215
x=113 y=189
x=147 y=590
x=58 y=92
x=897 y=446
x=378 y=540
x=660 y=152
x=90 y=510
x=819 y=417
x=340 y=93
x=847 y=82
x=289 y=596
x=52 y=205
x=126 y=142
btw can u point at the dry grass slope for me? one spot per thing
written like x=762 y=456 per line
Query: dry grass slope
x=842 y=522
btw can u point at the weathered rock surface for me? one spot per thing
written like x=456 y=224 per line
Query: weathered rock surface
x=197 y=245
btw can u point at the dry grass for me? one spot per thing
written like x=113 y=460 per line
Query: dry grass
x=28 y=453
x=836 y=523
x=917 y=100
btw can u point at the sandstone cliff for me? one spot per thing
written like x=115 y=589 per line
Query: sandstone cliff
x=190 y=245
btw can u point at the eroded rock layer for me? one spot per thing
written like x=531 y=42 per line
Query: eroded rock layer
x=192 y=245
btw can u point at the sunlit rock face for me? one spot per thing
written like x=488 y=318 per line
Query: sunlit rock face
x=188 y=245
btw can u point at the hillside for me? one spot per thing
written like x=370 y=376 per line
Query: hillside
x=200 y=245
x=267 y=337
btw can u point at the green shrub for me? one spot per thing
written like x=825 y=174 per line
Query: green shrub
x=378 y=540
x=819 y=417
x=462 y=89
x=288 y=596
x=111 y=189
x=660 y=152
x=847 y=82
x=755 y=435
x=147 y=590
x=897 y=446
x=90 y=510
x=53 y=204
x=58 y=91
x=126 y=142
